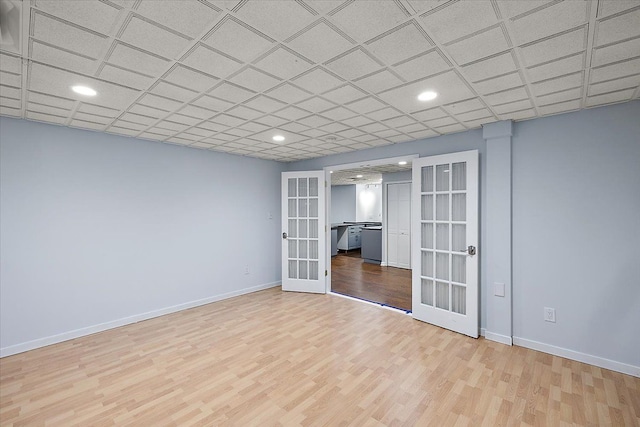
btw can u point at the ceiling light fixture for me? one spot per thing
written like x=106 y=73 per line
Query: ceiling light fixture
x=427 y=96
x=330 y=171
x=278 y=138
x=84 y=90
x=358 y=176
x=402 y=163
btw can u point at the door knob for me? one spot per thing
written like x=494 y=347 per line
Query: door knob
x=471 y=250
x=284 y=235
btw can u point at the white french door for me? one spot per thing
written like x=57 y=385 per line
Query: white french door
x=303 y=237
x=399 y=225
x=444 y=257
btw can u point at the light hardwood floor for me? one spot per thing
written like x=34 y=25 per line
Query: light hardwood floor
x=275 y=358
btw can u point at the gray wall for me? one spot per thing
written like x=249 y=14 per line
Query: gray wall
x=97 y=227
x=576 y=230
x=396 y=176
x=343 y=203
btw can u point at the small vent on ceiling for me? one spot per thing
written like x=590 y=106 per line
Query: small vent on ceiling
x=10 y=22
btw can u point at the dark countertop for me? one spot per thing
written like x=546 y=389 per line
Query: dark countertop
x=373 y=228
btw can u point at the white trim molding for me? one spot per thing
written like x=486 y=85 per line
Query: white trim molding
x=77 y=333
x=492 y=336
x=600 y=362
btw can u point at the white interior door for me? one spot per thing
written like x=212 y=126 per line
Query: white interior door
x=399 y=225
x=303 y=237
x=445 y=260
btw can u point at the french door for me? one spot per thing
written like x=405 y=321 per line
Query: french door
x=303 y=237
x=444 y=257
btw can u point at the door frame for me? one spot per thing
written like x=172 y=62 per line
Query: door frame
x=327 y=195
x=385 y=207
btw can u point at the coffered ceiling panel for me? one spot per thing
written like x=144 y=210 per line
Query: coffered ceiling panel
x=328 y=76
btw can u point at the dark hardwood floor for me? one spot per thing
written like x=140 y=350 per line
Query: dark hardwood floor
x=350 y=275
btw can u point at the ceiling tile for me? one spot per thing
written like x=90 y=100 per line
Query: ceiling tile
x=379 y=81
x=291 y=113
x=560 y=108
x=315 y=104
x=190 y=79
x=509 y=95
x=475 y=115
x=161 y=102
x=8 y=79
x=244 y=112
x=137 y=60
x=70 y=37
x=271 y=120
x=553 y=48
x=320 y=43
x=211 y=62
x=449 y=86
x=402 y=43
x=480 y=46
x=172 y=91
x=93 y=109
x=365 y=105
x=398 y=122
x=615 y=71
x=373 y=127
x=96 y=16
x=171 y=125
x=363 y=19
x=491 y=67
x=618 y=28
x=201 y=133
x=430 y=114
x=551 y=20
x=182 y=119
x=422 y=66
x=498 y=84
x=137 y=118
x=253 y=127
x=614 y=85
x=46 y=109
x=609 y=7
x=616 y=52
x=276 y=18
x=10 y=92
x=10 y=63
x=238 y=132
x=128 y=125
x=609 y=98
x=46 y=117
x=232 y=93
x=86 y=125
x=416 y=127
x=557 y=68
x=317 y=81
x=354 y=64
x=227 y=120
x=60 y=58
x=293 y=127
x=344 y=94
x=384 y=113
x=459 y=19
x=561 y=96
x=254 y=79
x=339 y=113
x=264 y=104
x=216 y=127
x=314 y=121
x=513 y=106
x=324 y=6
x=212 y=103
x=10 y=103
x=511 y=8
x=283 y=63
x=333 y=127
x=125 y=77
x=357 y=121
x=288 y=93
x=58 y=82
x=188 y=17
x=444 y=121
x=519 y=115
x=193 y=111
x=152 y=38
x=147 y=111
x=238 y=40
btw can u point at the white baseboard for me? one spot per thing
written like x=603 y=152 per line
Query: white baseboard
x=600 y=362
x=77 y=333
x=492 y=336
x=482 y=332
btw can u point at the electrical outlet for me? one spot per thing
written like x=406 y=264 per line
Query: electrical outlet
x=246 y=269
x=550 y=314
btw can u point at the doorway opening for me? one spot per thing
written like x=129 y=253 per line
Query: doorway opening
x=369 y=212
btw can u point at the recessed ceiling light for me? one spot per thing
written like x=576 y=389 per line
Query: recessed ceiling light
x=278 y=138
x=84 y=90
x=330 y=171
x=427 y=96
x=358 y=176
x=402 y=163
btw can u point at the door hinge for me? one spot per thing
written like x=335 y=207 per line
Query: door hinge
x=326 y=273
x=325 y=228
x=325 y=184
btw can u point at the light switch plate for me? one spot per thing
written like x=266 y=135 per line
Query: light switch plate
x=498 y=289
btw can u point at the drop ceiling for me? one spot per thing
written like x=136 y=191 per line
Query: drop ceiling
x=366 y=174
x=330 y=76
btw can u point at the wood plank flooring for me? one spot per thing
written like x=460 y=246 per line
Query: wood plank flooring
x=276 y=358
x=350 y=275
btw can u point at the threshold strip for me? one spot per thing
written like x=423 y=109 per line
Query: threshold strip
x=377 y=304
